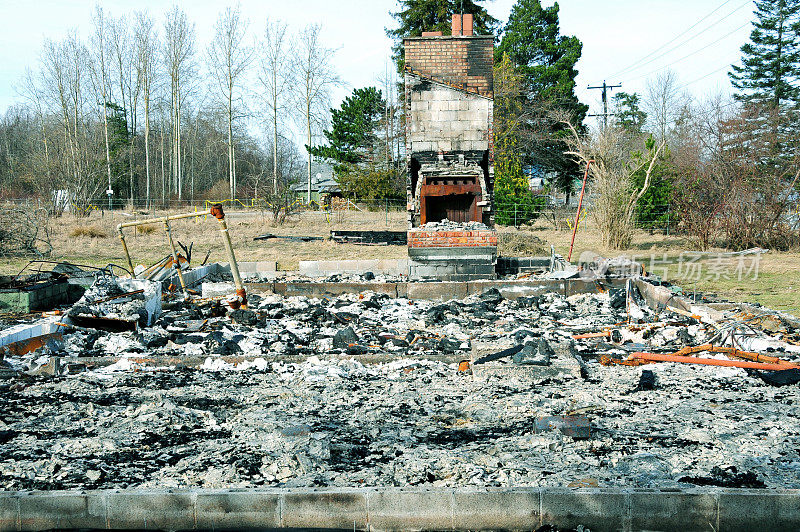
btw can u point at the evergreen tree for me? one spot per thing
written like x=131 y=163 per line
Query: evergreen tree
x=545 y=58
x=771 y=60
x=515 y=203
x=546 y=61
x=353 y=135
x=354 y=146
x=630 y=116
x=417 y=16
x=768 y=81
x=118 y=142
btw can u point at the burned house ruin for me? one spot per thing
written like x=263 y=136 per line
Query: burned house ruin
x=449 y=105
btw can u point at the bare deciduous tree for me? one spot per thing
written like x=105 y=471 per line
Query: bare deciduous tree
x=662 y=103
x=229 y=58
x=101 y=78
x=314 y=79
x=146 y=41
x=179 y=42
x=613 y=165
x=275 y=77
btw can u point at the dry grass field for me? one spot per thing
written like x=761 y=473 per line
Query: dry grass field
x=93 y=241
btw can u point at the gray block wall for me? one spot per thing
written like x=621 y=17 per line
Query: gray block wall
x=448 y=120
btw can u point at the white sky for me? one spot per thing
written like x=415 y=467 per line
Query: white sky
x=615 y=34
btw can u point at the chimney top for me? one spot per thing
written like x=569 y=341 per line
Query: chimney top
x=462 y=25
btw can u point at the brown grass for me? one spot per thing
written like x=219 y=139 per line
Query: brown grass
x=88 y=231
x=145 y=229
x=777 y=285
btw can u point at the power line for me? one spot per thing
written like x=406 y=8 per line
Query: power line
x=725 y=67
x=672 y=49
x=704 y=48
x=687 y=30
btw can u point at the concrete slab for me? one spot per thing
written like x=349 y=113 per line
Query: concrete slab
x=438 y=291
x=506 y=509
x=331 y=509
x=150 y=509
x=596 y=509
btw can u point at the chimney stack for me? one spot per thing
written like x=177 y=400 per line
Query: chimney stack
x=462 y=25
x=456 y=25
x=466 y=25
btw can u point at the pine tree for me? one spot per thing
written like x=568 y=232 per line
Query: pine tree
x=352 y=137
x=771 y=60
x=546 y=61
x=629 y=114
x=544 y=57
x=768 y=81
x=417 y=16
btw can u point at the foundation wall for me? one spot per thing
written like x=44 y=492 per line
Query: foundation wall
x=404 y=509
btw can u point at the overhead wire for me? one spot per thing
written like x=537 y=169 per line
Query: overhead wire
x=684 y=32
x=704 y=48
x=679 y=45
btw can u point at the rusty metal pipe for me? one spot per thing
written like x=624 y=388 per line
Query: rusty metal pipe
x=177 y=262
x=655 y=357
x=219 y=214
x=580 y=204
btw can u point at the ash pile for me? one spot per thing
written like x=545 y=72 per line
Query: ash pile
x=367 y=390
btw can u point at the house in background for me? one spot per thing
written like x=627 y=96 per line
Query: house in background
x=323 y=184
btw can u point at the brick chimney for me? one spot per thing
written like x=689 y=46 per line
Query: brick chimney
x=462 y=59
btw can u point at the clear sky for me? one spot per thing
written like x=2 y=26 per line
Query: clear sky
x=616 y=34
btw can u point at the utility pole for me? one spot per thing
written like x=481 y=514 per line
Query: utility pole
x=606 y=89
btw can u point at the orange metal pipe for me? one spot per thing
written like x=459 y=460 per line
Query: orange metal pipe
x=732 y=351
x=578 y=214
x=603 y=334
x=655 y=357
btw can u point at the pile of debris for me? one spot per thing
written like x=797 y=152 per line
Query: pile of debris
x=368 y=390
x=448 y=225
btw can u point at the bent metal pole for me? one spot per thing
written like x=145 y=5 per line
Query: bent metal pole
x=217 y=212
x=578 y=214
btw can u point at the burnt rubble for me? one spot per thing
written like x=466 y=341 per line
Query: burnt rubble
x=368 y=390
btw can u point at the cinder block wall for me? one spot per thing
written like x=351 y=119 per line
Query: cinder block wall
x=446 y=119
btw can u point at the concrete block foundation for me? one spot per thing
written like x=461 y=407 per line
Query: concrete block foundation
x=525 y=508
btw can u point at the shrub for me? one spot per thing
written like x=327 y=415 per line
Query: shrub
x=90 y=231
x=145 y=229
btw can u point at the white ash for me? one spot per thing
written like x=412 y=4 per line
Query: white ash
x=414 y=421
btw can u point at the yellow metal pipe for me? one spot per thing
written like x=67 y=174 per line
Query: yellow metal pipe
x=127 y=254
x=163 y=219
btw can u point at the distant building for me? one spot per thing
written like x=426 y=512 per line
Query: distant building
x=323 y=183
